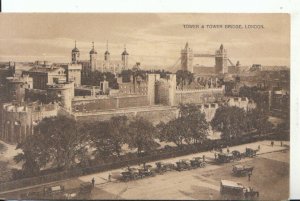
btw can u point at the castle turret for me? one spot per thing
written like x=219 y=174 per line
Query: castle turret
x=124 y=56
x=93 y=58
x=221 y=60
x=75 y=54
x=187 y=58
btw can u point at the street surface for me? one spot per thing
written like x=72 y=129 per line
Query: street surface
x=270 y=177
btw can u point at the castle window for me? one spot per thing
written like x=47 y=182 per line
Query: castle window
x=243 y=99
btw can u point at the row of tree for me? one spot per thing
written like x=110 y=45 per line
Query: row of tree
x=60 y=142
x=233 y=122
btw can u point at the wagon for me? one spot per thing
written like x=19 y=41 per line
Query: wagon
x=196 y=162
x=250 y=152
x=242 y=170
x=146 y=171
x=237 y=155
x=164 y=167
x=54 y=192
x=183 y=164
x=130 y=174
x=234 y=190
x=225 y=157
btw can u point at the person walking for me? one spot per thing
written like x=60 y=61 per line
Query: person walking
x=272 y=143
x=109 y=177
x=93 y=182
x=203 y=157
x=249 y=176
x=258 y=148
x=215 y=155
x=281 y=144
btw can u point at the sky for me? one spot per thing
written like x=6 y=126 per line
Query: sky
x=155 y=40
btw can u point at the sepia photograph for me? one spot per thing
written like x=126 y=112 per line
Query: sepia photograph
x=165 y=106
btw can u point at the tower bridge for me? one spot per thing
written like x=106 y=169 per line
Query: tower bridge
x=221 y=59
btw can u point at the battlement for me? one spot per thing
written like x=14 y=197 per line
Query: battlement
x=201 y=90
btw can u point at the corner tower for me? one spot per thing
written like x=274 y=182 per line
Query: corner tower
x=93 y=58
x=75 y=54
x=124 y=58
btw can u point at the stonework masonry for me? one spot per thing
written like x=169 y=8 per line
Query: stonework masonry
x=18 y=121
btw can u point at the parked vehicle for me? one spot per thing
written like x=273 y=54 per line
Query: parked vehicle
x=234 y=190
x=242 y=170
x=54 y=192
x=250 y=152
x=164 y=167
x=130 y=174
x=146 y=171
x=183 y=164
x=225 y=157
x=237 y=155
x=197 y=162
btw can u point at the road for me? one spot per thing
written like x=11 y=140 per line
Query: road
x=271 y=169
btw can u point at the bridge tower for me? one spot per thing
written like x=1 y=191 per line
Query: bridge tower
x=187 y=58
x=221 y=61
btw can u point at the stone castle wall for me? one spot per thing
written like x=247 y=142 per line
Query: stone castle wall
x=17 y=122
x=200 y=96
x=95 y=104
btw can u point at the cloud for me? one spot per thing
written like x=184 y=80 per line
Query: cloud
x=153 y=39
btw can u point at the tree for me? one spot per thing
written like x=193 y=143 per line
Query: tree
x=194 y=124
x=34 y=155
x=141 y=135
x=171 y=132
x=56 y=140
x=96 y=77
x=259 y=121
x=100 y=139
x=184 y=77
x=190 y=126
x=231 y=121
x=118 y=132
x=258 y=95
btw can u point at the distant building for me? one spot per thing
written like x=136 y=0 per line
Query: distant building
x=15 y=87
x=242 y=102
x=44 y=74
x=106 y=65
x=73 y=73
